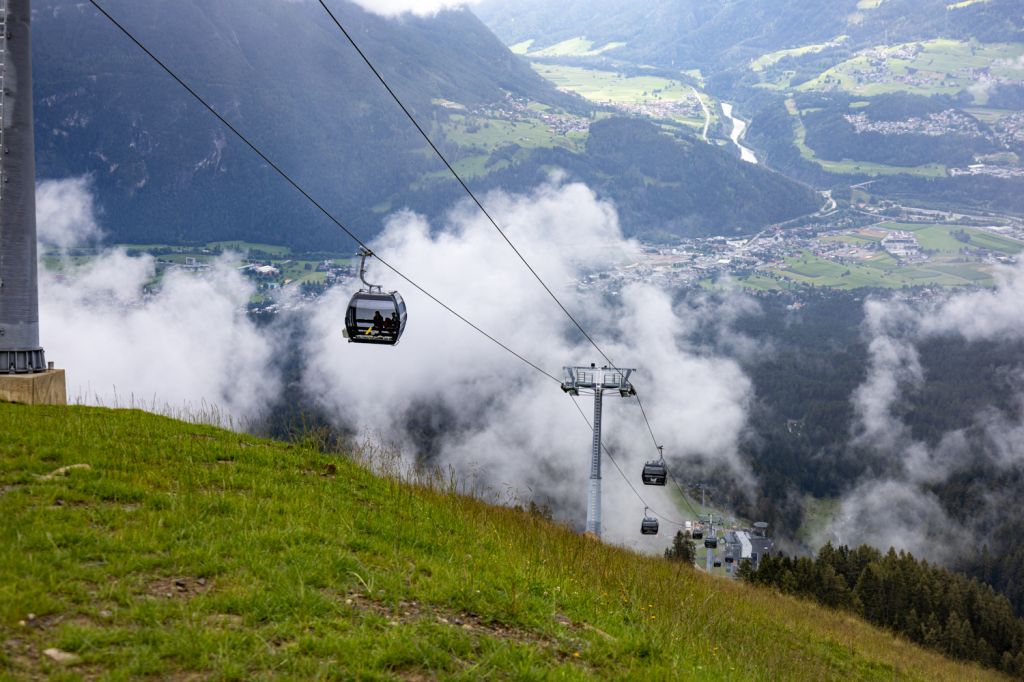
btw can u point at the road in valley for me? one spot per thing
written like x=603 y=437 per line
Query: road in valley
x=707 y=112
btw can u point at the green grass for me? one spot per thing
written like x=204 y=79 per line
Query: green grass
x=818 y=515
x=521 y=47
x=574 y=47
x=186 y=552
x=766 y=60
x=609 y=86
x=940 y=238
x=246 y=246
x=878 y=271
x=488 y=134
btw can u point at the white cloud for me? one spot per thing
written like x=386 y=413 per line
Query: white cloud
x=502 y=419
x=445 y=392
x=188 y=349
x=393 y=8
x=895 y=507
x=65 y=214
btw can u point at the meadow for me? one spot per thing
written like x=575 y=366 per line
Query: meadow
x=136 y=546
x=612 y=87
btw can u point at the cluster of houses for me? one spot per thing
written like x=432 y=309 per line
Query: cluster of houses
x=518 y=110
x=948 y=122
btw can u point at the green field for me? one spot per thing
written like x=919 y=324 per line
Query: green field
x=881 y=271
x=612 y=87
x=849 y=166
x=941 y=67
x=573 y=47
x=139 y=547
x=818 y=515
x=521 y=48
x=940 y=238
x=766 y=60
x=244 y=247
x=488 y=134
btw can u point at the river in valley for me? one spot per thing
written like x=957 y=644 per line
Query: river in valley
x=738 y=128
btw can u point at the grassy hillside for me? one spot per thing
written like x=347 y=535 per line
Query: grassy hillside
x=182 y=551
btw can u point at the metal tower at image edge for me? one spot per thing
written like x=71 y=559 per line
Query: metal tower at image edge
x=25 y=376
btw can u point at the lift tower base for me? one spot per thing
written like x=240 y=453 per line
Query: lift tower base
x=43 y=388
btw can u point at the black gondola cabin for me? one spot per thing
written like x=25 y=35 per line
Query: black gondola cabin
x=374 y=317
x=655 y=473
x=649 y=526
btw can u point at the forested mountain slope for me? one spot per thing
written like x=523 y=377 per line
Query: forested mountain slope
x=164 y=170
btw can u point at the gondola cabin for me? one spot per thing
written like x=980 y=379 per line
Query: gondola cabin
x=728 y=558
x=655 y=473
x=649 y=526
x=718 y=563
x=697 y=533
x=374 y=317
x=711 y=542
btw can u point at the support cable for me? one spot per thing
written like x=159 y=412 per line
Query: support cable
x=490 y=218
x=458 y=177
x=686 y=499
x=400 y=274
x=306 y=194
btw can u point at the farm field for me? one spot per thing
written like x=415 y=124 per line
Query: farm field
x=766 y=60
x=488 y=134
x=611 y=87
x=940 y=238
x=573 y=47
x=245 y=247
x=879 y=271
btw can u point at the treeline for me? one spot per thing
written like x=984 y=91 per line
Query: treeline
x=932 y=606
x=803 y=415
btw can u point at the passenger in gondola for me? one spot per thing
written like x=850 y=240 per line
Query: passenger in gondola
x=394 y=322
x=378 y=320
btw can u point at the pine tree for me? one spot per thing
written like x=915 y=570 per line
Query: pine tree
x=832 y=590
x=682 y=549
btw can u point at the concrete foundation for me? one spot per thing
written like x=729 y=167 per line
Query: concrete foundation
x=45 y=388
